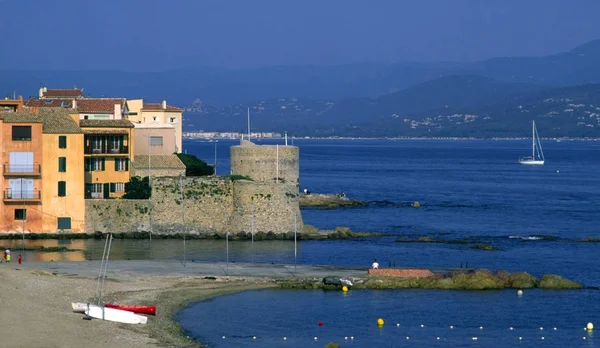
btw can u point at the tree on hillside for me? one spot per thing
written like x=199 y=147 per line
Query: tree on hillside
x=137 y=188
x=195 y=166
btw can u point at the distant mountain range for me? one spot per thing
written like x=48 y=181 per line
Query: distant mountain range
x=363 y=99
x=452 y=106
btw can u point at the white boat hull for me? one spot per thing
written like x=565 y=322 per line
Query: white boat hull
x=79 y=307
x=532 y=162
x=110 y=314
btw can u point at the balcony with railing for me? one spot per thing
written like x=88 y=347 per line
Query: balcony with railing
x=22 y=169
x=106 y=150
x=22 y=196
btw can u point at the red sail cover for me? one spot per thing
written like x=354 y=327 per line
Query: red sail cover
x=149 y=310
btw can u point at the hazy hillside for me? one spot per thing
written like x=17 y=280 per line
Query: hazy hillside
x=313 y=115
x=224 y=87
x=568 y=111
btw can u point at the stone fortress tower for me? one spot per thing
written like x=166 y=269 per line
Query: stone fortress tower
x=269 y=200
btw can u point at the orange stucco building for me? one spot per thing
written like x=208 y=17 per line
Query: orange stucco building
x=42 y=168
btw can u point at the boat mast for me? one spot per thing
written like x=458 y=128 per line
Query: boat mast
x=533 y=141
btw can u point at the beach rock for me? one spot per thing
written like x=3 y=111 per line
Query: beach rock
x=552 y=281
x=309 y=229
x=503 y=277
x=332 y=280
x=523 y=280
x=472 y=280
x=483 y=246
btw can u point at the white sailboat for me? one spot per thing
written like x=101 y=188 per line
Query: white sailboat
x=537 y=154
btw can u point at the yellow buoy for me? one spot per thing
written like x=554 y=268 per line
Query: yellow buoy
x=344 y=288
x=416 y=204
x=380 y=322
x=590 y=326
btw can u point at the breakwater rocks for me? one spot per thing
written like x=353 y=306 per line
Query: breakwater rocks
x=480 y=279
x=328 y=201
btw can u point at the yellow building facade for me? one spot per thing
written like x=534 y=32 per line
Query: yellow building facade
x=156 y=113
x=108 y=148
x=63 y=201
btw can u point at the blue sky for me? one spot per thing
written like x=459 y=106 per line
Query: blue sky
x=156 y=35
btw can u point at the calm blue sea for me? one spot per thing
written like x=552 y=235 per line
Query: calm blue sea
x=473 y=189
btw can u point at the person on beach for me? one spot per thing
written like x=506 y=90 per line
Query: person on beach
x=7 y=255
x=375 y=264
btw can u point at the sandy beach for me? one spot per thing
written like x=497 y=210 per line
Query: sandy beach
x=36 y=307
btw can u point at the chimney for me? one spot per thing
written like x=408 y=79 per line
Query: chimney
x=118 y=114
x=74 y=104
x=41 y=93
x=164 y=104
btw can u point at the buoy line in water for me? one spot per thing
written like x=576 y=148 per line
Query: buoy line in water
x=456 y=334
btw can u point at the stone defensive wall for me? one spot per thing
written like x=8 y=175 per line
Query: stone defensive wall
x=210 y=205
x=261 y=196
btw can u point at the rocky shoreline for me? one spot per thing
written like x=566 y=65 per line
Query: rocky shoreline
x=329 y=201
x=478 y=279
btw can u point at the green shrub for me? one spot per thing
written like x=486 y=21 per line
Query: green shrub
x=137 y=188
x=195 y=166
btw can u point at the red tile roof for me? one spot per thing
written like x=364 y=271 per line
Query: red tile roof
x=63 y=93
x=158 y=107
x=104 y=106
x=48 y=103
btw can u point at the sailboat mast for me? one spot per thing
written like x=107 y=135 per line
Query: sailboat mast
x=533 y=140
x=248 y=123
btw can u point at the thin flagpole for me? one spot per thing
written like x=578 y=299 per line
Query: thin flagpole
x=252 y=231
x=183 y=219
x=226 y=245
x=295 y=248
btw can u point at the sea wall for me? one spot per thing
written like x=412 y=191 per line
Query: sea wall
x=209 y=205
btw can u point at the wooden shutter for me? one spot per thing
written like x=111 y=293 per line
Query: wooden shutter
x=62 y=142
x=106 y=190
x=88 y=165
x=62 y=164
x=116 y=164
x=127 y=164
x=103 y=164
x=62 y=188
x=112 y=187
x=64 y=223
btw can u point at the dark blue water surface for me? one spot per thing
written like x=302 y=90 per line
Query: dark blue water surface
x=467 y=189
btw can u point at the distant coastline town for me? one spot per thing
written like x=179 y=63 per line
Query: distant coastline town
x=230 y=135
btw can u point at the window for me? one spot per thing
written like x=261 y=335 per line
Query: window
x=97 y=164
x=64 y=104
x=21 y=188
x=86 y=117
x=21 y=162
x=62 y=164
x=154 y=118
x=64 y=223
x=121 y=164
x=173 y=120
x=20 y=214
x=62 y=142
x=21 y=133
x=62 y=188
x=117 y=187
x=156 y=140
x=96 y=191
